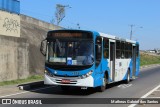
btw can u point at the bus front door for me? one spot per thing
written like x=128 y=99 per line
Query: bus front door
x=112 y=60
x=134 y=62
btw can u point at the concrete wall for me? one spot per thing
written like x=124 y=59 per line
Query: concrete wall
x=39 y=23
x=35 y=31
x=9 y=24
x=20 y=54
x=13 y=58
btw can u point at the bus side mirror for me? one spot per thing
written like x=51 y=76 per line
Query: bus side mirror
x=43 y=47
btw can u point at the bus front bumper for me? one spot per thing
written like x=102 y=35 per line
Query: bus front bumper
x=85 y=82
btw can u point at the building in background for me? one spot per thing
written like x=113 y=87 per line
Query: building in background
x=10 y=18
x=12 y=6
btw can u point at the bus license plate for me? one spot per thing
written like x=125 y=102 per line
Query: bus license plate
x=65 y=81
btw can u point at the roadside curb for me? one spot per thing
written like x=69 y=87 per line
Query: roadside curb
x=31 y=85
x=147 y=66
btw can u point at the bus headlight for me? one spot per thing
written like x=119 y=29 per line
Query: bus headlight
x=45 y=71
x=87 y=75
x=48 y=73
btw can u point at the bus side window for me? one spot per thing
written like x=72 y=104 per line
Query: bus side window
x=98 y=50
x=106 y=48
x=128 y=50
x=122 y=50
x=118 y=49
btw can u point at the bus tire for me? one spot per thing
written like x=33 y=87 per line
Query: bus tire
x=103 y=87
x=128 y=77
x=65 y=88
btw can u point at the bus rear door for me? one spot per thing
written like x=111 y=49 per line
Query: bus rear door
x=112 y=59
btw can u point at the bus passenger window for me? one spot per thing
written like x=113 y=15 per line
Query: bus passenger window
x=122 y=50
x=118 y=49
x=130 y=50
x=106 y=48
x=126 y=50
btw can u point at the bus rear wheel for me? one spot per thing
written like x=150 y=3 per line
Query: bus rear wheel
x=128 y=77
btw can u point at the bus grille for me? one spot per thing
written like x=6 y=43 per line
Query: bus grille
x=59 y=81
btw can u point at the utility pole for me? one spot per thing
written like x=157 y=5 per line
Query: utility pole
x=131 y=32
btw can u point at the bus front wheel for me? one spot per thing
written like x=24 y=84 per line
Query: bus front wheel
x=103 y=87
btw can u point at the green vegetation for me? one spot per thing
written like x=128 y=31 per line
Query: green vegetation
x=147 y=59
x=21 y=81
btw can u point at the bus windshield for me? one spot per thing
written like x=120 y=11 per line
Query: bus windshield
x=67 y=52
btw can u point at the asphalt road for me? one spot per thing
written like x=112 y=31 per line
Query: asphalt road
x=147 y=80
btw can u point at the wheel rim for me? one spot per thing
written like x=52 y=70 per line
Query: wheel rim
x=128 y=78
x=104 y=81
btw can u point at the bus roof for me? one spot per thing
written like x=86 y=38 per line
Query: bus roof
x=101 y=34
x=116 y=38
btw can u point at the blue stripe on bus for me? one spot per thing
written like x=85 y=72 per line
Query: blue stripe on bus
x=69 y=73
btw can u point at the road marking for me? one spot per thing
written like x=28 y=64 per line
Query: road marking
x=146 y=95
x=124 y=85
x=150 y=92
x=26 y=91
x=153 y=97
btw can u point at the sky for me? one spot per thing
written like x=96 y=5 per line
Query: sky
x=108 y=16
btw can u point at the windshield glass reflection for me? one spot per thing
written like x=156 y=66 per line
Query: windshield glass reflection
x=70 y=52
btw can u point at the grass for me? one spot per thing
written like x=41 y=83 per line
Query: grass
x=147 y=59
x=21 y=81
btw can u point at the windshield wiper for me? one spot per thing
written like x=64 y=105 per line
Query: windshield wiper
x=59 y=45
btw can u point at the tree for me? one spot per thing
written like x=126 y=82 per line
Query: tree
x=60 y=12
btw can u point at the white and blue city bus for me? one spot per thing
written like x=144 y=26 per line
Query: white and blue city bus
x=88 y=59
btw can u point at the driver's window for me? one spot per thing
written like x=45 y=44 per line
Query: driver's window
x=98 y=50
